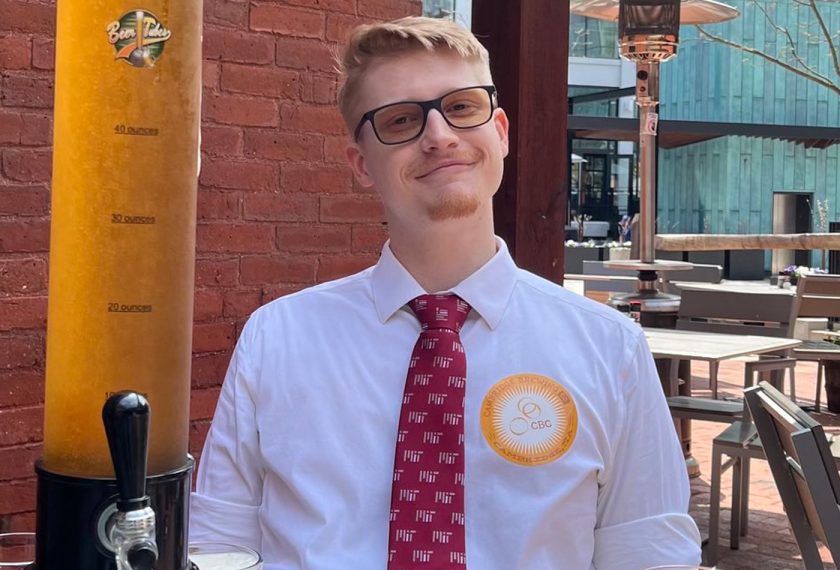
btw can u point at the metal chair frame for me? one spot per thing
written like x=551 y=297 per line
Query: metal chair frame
x=804 y=468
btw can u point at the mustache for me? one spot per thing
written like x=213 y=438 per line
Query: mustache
x=427 y=166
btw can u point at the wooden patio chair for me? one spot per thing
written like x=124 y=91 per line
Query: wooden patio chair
x=740 y=442
x=804 y=468
x=817 y=296
x=743 y=313
x=737 y=312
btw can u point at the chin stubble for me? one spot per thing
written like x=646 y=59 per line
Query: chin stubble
x=453 y=207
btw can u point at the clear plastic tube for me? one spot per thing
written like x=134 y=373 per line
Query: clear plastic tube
x=125 y=169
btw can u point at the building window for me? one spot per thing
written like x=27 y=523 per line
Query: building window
x=457 y=10
x=439 y=8
x=592 y=38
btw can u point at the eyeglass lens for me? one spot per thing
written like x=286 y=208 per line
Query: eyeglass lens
x=462 y=109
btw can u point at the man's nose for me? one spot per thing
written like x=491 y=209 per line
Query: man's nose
x=438 y=133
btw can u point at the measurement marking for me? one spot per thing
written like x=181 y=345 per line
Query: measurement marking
x=125 y=308
x=136 y=131
x=123 y=219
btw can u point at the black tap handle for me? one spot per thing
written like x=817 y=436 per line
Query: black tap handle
x=126 y=419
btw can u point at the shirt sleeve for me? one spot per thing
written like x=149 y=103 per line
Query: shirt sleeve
x=226 y=503
x=643 y=501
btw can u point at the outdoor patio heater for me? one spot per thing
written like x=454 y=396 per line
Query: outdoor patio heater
x=648 y=32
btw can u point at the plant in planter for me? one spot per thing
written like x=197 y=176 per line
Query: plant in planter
x=618 y=250
x=580 y=221
x=794 y=272
x=624 y=225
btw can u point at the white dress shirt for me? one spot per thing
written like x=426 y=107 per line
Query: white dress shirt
x=299 y=460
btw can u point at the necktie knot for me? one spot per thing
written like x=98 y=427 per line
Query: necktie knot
x=436 y=312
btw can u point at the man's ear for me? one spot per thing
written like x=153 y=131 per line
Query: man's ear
x=357 y=161
x=502 y=125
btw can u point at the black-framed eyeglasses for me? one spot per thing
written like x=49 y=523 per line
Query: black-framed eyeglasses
x=398 y=123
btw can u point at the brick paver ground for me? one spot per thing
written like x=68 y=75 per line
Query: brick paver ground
x=769 y=544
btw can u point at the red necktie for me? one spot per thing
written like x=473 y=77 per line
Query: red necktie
x=427 y=496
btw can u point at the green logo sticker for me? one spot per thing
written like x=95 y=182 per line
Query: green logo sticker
x=138 y=36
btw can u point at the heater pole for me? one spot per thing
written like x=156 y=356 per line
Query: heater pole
x=647 y=95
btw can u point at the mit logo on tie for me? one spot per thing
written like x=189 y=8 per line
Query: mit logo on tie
x=427 y=476
x=432 y=437
x=456 y=382
x=444 y=497
x=428 y=343
x=425 y=516
x=422 y=379
x=412 y=455
x=437 y=399
x=447 y=457
x=417 y=417
x=452 y=419
x=408 y=495
x=458 y=557
x=422 y=555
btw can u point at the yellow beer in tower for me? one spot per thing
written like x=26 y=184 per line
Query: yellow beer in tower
x=125 y=169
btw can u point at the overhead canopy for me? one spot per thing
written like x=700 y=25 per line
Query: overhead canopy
x=673 y=134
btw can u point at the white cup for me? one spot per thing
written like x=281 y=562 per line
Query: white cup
x=221 y=556
x=679 y=567
x=17 y=550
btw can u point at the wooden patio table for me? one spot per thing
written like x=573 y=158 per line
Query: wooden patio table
x=673 y=350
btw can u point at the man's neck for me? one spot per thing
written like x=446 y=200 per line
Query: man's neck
x=442 y=254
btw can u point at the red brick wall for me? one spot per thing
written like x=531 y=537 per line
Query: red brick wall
x=277 y=208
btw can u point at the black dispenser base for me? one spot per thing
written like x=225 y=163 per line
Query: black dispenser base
x=69 y=511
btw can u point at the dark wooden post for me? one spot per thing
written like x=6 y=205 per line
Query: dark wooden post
x=528 y=42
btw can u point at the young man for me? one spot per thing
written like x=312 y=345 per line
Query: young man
x=443 y=409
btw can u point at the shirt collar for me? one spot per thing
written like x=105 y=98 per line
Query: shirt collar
x=487 y=290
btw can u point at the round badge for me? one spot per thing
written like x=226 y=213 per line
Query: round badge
x=529 y=419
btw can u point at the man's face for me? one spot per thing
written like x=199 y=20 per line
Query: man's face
x=445 y=173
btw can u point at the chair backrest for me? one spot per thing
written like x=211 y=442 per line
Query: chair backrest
x=804 y=469
x=817 y=296
x=735 y=312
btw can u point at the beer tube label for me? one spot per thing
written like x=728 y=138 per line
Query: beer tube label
x=138 y=38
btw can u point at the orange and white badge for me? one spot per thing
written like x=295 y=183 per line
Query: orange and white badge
x=529 y=419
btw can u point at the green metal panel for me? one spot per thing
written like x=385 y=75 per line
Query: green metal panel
x=729 y=182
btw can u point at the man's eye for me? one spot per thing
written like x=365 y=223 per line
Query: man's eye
x=461 y=107
x=398 y=122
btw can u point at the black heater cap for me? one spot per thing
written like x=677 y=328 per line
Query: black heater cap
x=648 y=17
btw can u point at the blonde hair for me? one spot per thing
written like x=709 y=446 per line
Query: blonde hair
x=374 y=42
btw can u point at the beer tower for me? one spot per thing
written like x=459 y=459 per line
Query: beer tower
x=125 y=170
